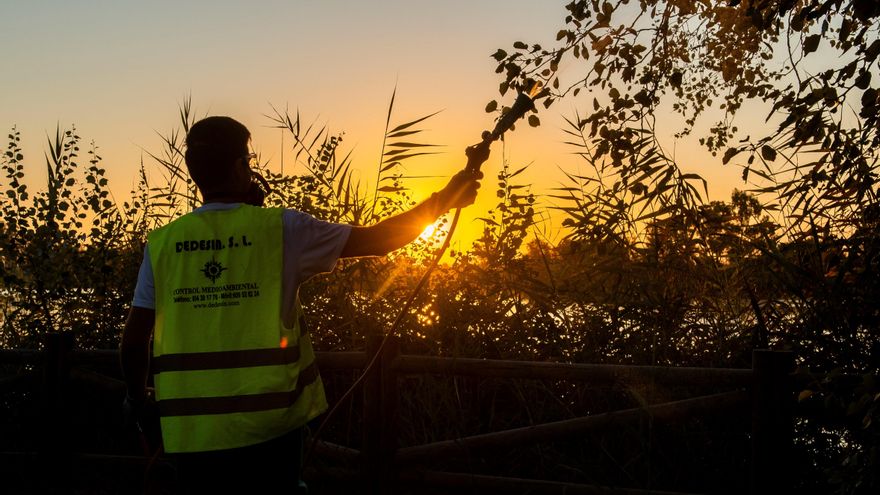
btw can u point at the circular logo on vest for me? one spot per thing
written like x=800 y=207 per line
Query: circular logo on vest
x=213 y=269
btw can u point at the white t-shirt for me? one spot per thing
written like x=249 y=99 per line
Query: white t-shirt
x=311 y=246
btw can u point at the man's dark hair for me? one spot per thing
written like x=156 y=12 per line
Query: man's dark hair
x=213 y=145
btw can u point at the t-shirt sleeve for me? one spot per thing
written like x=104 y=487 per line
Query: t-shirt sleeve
x=144 y=291
x=311 y=246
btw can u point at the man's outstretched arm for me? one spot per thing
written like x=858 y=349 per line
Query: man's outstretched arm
x=399 y=230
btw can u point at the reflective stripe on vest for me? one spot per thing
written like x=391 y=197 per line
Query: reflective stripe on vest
x=239 y=403
x=228 y=372
x=226 y=359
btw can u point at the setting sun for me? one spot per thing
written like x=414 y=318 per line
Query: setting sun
x=428 y=232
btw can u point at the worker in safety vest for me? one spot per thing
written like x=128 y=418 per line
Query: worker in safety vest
x=234 y=371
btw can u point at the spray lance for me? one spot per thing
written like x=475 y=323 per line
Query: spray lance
x=476 y=154
x=524 y=102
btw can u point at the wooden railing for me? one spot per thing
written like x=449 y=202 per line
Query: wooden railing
x=764 y=391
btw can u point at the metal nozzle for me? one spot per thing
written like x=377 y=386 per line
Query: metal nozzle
x=524 y=102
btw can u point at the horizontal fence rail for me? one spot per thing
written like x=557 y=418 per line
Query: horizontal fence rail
x=497 y=484
x=561 y=430
x=595 y=373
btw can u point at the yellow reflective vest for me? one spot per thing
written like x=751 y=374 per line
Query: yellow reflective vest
x=228 y=372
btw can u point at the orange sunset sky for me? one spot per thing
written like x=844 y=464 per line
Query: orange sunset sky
x=119 y=69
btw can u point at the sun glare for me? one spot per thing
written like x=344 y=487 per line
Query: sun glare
x=428 y=232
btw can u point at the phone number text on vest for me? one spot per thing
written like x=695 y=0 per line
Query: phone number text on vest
x=216 y=296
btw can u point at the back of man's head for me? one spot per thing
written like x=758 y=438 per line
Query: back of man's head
x=213 y=145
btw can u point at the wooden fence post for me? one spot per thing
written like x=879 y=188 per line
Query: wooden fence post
x=772 y=425
x=388 y=420
x=380 y=416
x=372 y=419
x=53 y=442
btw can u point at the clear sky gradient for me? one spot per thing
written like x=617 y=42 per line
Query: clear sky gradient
x=119 y=69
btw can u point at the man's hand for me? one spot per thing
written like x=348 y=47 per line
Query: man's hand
x=461 y=190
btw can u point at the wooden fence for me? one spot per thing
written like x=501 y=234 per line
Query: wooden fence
x=384 y=468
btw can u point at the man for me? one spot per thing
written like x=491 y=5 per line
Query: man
x=235 y=374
